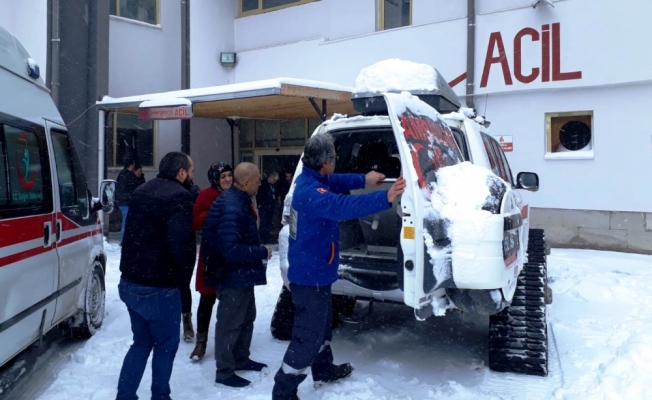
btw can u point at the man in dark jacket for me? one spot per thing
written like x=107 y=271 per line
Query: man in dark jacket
x=126 y=183
x=158 y=245
x=234 y=265
x=317 y=207
x=266 y=202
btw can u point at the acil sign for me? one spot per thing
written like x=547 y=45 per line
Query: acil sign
x=549 y=40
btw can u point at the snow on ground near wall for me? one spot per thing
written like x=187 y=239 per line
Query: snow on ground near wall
x=601 y=318
x=394 y=75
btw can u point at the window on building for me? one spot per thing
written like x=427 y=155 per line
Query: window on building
x=293 y=132
x=130 y=138
x=267 y=133
x=139 y=10
x=569 y=135
x=252 y=7
x=394 y=14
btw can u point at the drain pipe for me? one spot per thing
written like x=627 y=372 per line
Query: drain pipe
x=470 y=53
x=55 y=40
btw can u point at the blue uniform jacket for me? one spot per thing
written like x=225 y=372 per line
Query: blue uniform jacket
x=317 y=207
x=231 y=248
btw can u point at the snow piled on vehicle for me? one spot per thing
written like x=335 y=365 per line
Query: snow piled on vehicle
x=461 y=197
x=395 y=75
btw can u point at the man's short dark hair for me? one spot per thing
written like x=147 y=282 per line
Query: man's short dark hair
x=171 y=164
x=318 y=150
x=128 y=162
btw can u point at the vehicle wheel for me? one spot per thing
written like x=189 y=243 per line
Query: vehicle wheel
x=518 y=335
x=91 y=318
x=283 y=317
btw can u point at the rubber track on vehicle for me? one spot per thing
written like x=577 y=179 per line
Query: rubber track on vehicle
x=518 y=335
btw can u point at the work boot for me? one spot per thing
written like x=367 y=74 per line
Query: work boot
x=200 y=347
x=188 y=331
x=338 y=373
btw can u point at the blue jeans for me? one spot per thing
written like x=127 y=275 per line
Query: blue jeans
x=155 y=315
x=124 y=210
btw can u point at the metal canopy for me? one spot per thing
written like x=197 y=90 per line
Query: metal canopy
x=281 y=98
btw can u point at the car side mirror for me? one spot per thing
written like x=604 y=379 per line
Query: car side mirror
x=107 y=195
x=527 y=181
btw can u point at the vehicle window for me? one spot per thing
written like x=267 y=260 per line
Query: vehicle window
x=493 y=159
x=503 y=161
x=72 y=182
x=367 y=150
x=461 y=143
x=4 y=176
x=26 y=178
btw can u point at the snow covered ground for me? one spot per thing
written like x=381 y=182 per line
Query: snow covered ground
x=602 y=345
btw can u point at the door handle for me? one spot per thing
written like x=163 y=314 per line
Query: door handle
x=58 y=232
x=46 y=234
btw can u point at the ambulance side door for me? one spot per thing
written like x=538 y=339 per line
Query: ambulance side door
x=74 y=224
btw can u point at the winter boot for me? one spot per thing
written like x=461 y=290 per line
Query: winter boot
x=200 y=347
x=251 y=366
x=233 y=381
x=339 y=372
x=188 y=331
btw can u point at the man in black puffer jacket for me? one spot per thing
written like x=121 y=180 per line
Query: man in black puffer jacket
x=234 y=265
x=158 y=245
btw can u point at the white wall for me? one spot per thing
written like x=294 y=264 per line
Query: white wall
x=27 y=20
x=604 y=45
x=428 y=11
x=287 y=25
x=350 y=18
x=616 y=180
x=340 y=61
x=212 y=31
x=147 y=59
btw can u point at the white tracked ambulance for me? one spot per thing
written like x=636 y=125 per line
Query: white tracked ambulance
x=459 y=236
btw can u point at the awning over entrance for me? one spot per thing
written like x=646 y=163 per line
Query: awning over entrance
x=281 y=98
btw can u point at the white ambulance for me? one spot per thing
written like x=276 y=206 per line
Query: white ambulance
x=52 y=261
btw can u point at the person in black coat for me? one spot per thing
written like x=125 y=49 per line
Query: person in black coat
x=126 y=183
x=233 y=260
x=266 y=201
x=158 y=245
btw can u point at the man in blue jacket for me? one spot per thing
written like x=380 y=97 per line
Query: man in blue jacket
x=233 y=260
x=317 y=207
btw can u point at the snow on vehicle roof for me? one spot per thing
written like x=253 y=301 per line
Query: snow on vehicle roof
x=228 y=91
x=395 y=75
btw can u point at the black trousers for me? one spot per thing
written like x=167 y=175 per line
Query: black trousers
x=204 y=312
x=236 y=313
x=184 y=290
x=266 y=215
x=311 y=337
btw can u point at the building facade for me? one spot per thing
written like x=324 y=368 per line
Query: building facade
x=564 y=85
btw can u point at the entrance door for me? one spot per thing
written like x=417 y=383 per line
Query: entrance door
x=281 y=161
